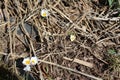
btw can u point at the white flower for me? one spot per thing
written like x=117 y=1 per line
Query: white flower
x=72 y=37
x=33 y=60
x=26 y=61
x=27 y=68
x=44 y=13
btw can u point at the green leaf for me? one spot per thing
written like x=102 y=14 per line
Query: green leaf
x=110 y=2
x=119 y=2
x=119 y=15
x=111 y=51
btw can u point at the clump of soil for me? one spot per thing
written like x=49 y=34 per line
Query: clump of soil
x=6 y=74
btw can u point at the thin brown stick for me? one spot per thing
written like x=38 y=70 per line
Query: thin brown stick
x=69 y=69
x=88 y=64
x=106 y=19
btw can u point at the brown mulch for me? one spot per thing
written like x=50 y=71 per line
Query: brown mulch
x=23 y=32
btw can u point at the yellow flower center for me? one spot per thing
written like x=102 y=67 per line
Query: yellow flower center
x=44 y=14
x=27 y=62
x=33 y=61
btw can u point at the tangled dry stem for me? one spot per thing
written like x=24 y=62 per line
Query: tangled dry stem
x=48 y=38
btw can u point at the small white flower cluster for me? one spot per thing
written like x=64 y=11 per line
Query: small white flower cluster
x=44 y=13
x=29 y=61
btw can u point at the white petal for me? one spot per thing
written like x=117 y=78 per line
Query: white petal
x=72 y=37
x=33 y=60
x=26 y=61
x=27 y=68
x=84 y=28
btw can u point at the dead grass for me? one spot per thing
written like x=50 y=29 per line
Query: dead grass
x=25 y=33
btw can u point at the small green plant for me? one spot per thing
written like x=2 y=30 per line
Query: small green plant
x=114 y=63
x=111 y=51
x=114 y=3
x=111 y=2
